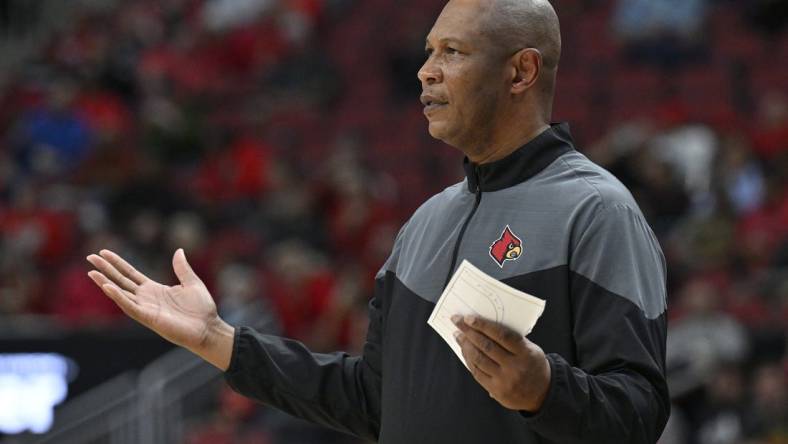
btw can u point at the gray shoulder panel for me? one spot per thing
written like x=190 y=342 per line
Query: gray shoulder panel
x=423 y=241
x=598 y=181
x=428 y=242
x=613 y=245
x=619 y=252
x=571 y=213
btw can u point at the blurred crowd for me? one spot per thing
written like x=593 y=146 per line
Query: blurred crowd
x=281 y=144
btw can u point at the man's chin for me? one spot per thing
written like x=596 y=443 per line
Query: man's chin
x=441 y=131
x=437 y=130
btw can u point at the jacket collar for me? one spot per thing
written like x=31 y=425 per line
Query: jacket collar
x=523 y=163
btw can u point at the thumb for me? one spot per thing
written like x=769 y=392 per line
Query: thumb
x=182 y=268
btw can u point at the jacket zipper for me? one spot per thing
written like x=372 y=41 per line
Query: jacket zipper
x=478 y=193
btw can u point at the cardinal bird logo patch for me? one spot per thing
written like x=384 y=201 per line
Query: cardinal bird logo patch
x=507 y=248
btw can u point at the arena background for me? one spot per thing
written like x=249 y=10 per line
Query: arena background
x=281 y=144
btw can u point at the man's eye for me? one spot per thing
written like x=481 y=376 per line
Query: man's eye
x=450 y=50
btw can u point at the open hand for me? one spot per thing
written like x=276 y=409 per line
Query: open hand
x=511 y=368
x=183 y=314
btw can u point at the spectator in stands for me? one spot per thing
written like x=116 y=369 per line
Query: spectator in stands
x=768 y=413
x=724 y=421
x=771 y=129
x=666 y=33
x=741 y=175
x=702 y=339
x=53 y=139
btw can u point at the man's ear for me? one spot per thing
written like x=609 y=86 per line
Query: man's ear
x=527 y=64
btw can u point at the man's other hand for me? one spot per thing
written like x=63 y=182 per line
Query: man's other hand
x=511 y=368
x=183 y=314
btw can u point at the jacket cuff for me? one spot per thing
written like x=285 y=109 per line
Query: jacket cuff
x=234 y=357
x=550 y=402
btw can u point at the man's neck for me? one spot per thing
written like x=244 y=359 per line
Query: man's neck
x=500 y=147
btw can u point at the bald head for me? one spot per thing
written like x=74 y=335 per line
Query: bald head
x=512 y=25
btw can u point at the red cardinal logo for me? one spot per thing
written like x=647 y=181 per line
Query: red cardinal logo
x=507 y=248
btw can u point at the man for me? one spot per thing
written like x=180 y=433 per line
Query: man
x=532 y=212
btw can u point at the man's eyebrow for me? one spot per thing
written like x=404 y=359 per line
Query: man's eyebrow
x=445 y=40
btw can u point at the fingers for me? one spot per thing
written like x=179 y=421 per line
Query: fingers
x=504 y=336
x=475 y=366
x=124 y=267
x=480 y=376
x=122 y=298
x=125 y=303
x=112 y=274
x=182 y=268
x=102 y=280
x=475 y=357
x=484 y=344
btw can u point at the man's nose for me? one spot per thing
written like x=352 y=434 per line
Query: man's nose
x=429 y=73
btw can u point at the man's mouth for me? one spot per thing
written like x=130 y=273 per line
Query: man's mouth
x=433 y=107
x=432 y=103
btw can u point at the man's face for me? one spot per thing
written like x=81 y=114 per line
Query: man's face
x=462 y=79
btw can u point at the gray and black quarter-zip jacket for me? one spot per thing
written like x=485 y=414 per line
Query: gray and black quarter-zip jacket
x=586 y=250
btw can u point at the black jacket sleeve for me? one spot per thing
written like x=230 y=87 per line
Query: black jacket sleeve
x=616 y=392
x=333 y=389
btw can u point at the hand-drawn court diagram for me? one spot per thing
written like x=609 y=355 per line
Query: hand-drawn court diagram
x=471 y=291
x=494 y=311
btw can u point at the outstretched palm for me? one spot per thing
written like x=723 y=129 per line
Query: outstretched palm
x=181 y=313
